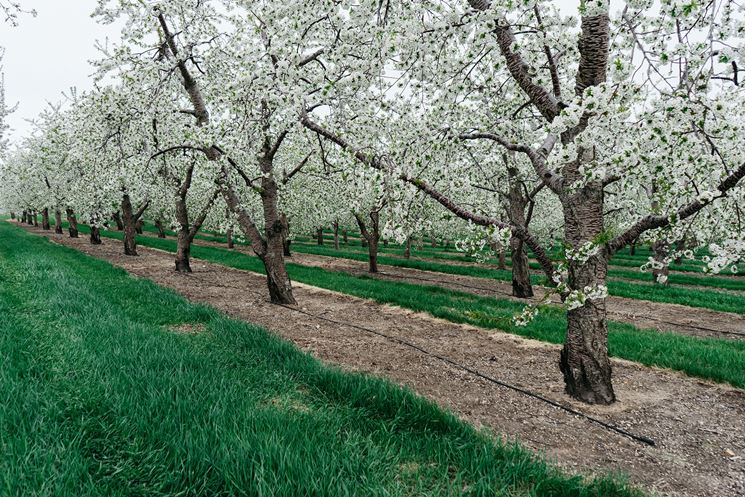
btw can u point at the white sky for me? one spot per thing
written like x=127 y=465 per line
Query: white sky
x=49 y=54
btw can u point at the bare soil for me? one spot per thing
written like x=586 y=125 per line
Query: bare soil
x=698 y=426
x=703 y=323
x=641 y=313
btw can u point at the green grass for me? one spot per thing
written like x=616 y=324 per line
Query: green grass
x=705 y=299
x=100 y=398
x=715 y=359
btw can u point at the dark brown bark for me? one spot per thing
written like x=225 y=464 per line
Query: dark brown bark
x=286 y=242
x=517 y=202
x=183 y=251
x=229 y=236
x=336 y=235
x=271 y=246
x=345 y=236
x=407 y=249
x=632 y=248
x=130 y=232
x=159 y=227
x=584 y=358
x=319 y=236
x=57 y=221
x=501 y=255
x=23 y=217
x=521 y=287
x=139 y=225
x=45 y=219
x=72 y=221
x=117 y=217
x=371 y=235
x=29 y=218
x=95 y=235
x=12 y=216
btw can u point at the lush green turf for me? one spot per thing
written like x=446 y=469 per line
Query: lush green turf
x=102 y=398
x=715 y=359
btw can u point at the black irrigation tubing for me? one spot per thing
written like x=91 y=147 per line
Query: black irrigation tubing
x=639 y=438
x=491 y=290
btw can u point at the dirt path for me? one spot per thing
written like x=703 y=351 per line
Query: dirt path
x=611 y=266
x=641 y=313
x=697 y=425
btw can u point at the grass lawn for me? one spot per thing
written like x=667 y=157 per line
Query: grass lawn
x=715 y=359
x=102 y=398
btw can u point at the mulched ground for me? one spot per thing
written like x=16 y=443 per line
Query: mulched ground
x=698 y=426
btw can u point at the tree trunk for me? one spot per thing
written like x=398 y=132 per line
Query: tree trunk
x=345 y=236
x=36 y=218
x=95 y=235
x=521 y=287
x=336 y=235
x=434 y=242
x=319 y=236
x=407 y=250
x=680 y=246
x=72 y=221
x=130 y=230
x=584 y=358
x=23 y=217
x=159 y=227
x=286 y=252
x=385 y=242
x=372 y=237
x=117 y=217
x=229 y=236
x=660 y=251
x=12 y=216
x=502 y=258
x=183 y=251
x=184 y=235
x=45 y=219
x=276 y=228
x=632 y=248
x=29 y=218
x=517 y=202
x=139 y=226
x=57 y=221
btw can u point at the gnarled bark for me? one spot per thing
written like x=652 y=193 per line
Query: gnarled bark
x=130 y=232
x=117 y=217
x=372 y=237
x=95 y=235
x=72 y=221
x=159 y=227
x=45 y=219
x=57 y=221
x=584 y=358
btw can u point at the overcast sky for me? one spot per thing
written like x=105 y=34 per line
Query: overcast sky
x=49 y=54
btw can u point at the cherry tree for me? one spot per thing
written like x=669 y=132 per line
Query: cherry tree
x=639 y=100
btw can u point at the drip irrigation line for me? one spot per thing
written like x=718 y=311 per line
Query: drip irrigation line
x=639 y=438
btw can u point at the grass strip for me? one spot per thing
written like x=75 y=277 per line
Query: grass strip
x=715 y=359
x=103 y=397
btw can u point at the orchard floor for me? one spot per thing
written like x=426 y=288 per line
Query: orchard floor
x=644 y=314
x=696 y=425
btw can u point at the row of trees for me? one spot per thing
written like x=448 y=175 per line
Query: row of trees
x=526 y=125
